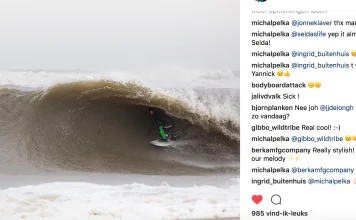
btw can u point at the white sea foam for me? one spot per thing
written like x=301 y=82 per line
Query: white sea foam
x=131 y=201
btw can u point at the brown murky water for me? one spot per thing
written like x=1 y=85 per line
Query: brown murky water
x=103 y=127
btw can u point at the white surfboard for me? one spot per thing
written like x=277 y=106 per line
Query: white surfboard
x=160 y=143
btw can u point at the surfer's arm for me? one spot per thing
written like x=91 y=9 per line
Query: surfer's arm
x=155 y=125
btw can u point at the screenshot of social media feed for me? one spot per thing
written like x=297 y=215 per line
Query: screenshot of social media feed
x=298 y=136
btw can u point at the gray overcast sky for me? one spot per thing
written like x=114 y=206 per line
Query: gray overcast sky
x=118 y=35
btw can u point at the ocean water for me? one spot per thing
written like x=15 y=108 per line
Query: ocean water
x=80 y=138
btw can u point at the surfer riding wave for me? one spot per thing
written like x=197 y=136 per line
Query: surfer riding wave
x=163 y=122
x=102 y=126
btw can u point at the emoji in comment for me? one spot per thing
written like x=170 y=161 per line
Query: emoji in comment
x=348 y=138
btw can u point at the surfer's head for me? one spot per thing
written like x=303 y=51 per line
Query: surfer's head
x=150 y=110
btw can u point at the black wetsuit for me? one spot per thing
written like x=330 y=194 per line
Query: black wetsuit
x=165 y=123
x=163 y=119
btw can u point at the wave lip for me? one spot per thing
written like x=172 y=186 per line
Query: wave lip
x=171 y=77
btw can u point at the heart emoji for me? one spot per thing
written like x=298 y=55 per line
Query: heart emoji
x=257 y=199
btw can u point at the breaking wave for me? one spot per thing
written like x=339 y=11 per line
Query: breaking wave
x=103 y=125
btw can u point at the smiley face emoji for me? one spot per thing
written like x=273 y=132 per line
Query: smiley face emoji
x=348 y=138
x=311 y=84
x=280 y=73
x=353 y=53
x=317 y=84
